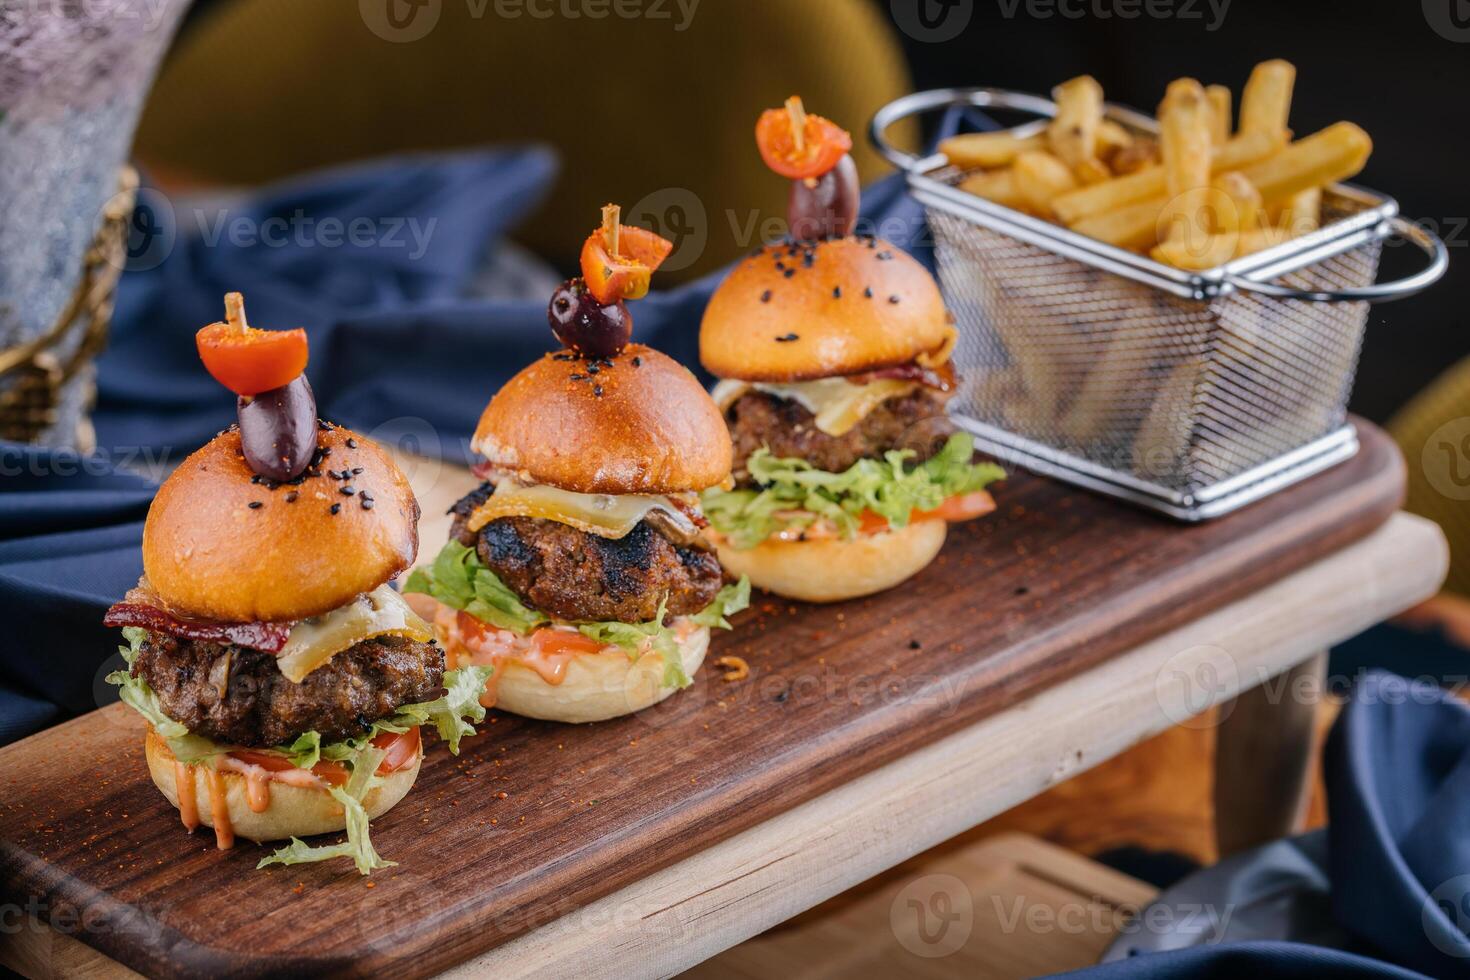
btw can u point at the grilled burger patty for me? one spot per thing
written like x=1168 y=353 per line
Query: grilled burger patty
x=573 y=575
x=260 y=708
x=913 y=421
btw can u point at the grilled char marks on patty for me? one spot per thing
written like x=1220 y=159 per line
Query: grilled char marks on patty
x=913 y=421
x=573 y=575
x=260 y=708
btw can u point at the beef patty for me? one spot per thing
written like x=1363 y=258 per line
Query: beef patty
x=913 y=421
x=573 y=575
x=260 y=708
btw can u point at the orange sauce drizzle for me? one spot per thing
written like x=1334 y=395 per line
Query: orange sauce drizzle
x=188 y=801
x=219 y=809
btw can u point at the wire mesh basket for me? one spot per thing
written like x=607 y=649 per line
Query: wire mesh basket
x=1193 y=393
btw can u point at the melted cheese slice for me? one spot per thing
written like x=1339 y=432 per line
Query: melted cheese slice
x=605 y=515
x=837 y=403
x=315 y=641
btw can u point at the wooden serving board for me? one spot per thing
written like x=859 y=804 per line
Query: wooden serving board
x=533 y=819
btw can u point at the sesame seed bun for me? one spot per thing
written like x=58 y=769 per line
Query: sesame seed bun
x=207 y=553
x=827 y=323
x=831 y=570
x=652 y=429
x=293 y=811
x=597 y=686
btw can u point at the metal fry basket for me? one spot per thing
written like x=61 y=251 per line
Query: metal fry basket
x=1192 y=393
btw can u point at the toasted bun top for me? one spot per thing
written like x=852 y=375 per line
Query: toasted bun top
x=208 y=553
x=643 y=425
x=854 y=305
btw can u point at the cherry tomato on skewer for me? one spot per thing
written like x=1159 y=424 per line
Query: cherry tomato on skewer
x=798 y=144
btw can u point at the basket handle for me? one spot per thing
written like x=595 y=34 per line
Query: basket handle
x=945 y=98
x=1427 y=241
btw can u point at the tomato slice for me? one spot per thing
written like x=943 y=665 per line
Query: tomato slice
x=871 y=523
x=550 y=642
x=402 y=749
x=821 y=144
x=249 y=361
x=963 y=507
x=328 y=772
x=626 y=273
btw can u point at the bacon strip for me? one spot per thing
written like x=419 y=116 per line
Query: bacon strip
x=940 y=379
x=269 y=637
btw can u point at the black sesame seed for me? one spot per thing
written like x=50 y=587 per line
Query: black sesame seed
x=347 y=491
x=789 y=273
x=637 y=361
x=255 y=479
x=291 y=497
x=597 y=391
x=356 y=470
x=593 y=369
x=324 y=426
x=365 y=495
x=884 y=256
x=836 y=292
x=336 y=508
x=367 y=503
x=256 y=504
x=867 y=292
x=787 y=338
x=893 y=298
x=351 y=443
x=780 y=264
x=579 y=377
x=563 y=357
x=766 y=296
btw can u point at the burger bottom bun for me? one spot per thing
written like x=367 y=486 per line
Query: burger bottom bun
x=597 y=686
x=833 y=569
x=294 y=811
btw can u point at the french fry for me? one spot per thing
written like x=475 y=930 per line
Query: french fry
x=1111 y=136
x=1149 y=182
x=1195 y=252
x=1265 y=102
x=1301 y=213
x=1092 y=171
x=1220 y=121
x=1135 y=156
x=1040 y=177
x=1184 y=139
x=1260 y=238
x=998 y=149
x=1073 y=133
x=1328 y=155
x=1133 y=226
x=996 y=185
x=1241 y=209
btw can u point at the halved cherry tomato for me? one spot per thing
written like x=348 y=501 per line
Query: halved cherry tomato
x=401 y=748
x=627 y=274
x=963 y=507
x=551 y=642
x=823 y=142
x=249 y=361
x=329 y=772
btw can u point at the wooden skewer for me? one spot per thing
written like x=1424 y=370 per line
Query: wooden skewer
x=798 y=122
x=235 y=311
x=611 y=221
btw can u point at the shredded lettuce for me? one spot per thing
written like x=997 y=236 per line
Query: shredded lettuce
x=452 y=715
x=460 y=580
x=794 y=493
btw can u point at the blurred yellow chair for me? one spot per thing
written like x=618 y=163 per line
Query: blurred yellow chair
x=634 y=106
x=1433 y=431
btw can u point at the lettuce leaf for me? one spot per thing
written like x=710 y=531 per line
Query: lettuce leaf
x=794 y=493
x=632 y=636
x=460 y=580
x=358 y=846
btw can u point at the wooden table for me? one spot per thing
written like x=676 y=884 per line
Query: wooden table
x=1046 y=639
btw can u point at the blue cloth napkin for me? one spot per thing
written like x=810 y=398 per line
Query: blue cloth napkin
x=1386 y=886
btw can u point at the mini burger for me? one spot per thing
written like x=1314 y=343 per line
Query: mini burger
x=833 y=349
x=579 y=569
x=284 y=682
